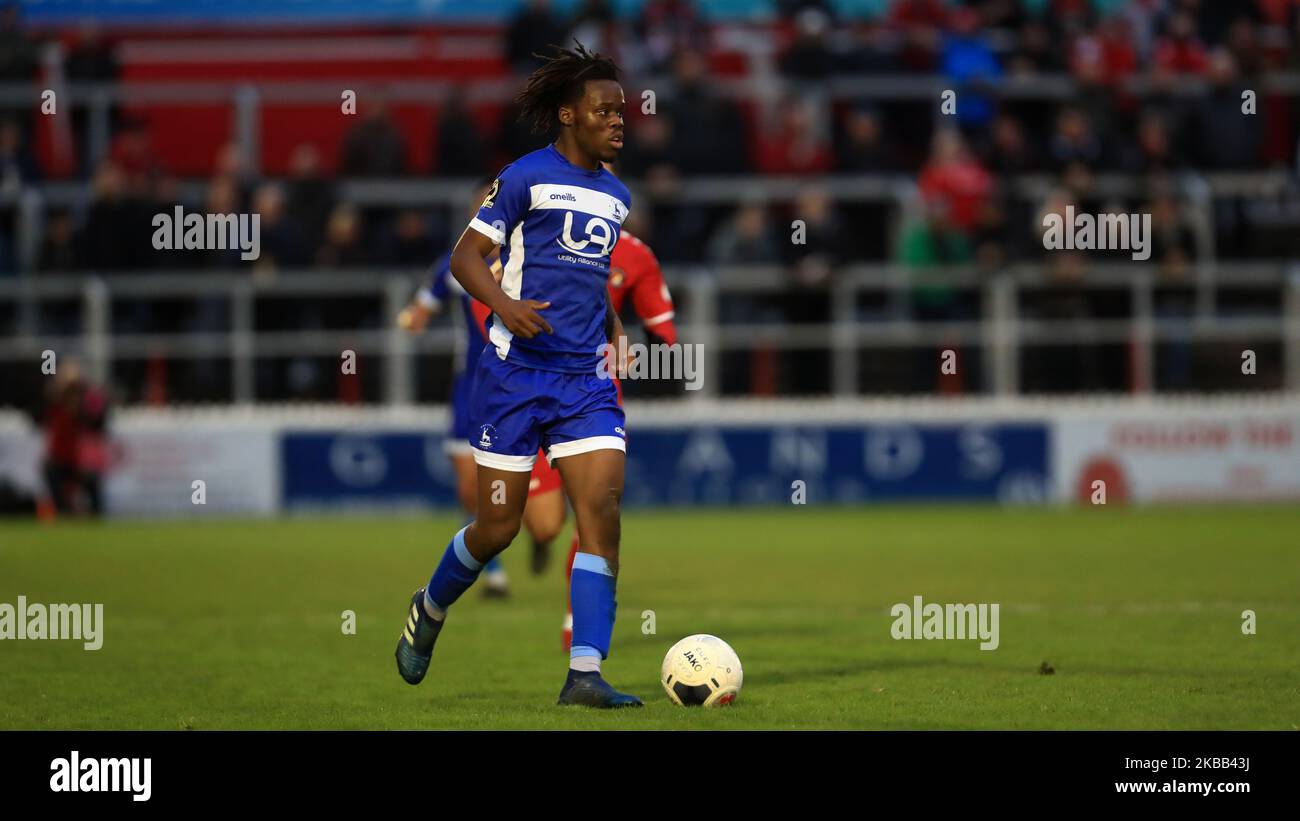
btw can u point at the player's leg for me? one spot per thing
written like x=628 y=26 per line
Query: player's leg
x=593 y=481
x=544 y=516
x=566 y=628
x=502 y=409
x=495 y=582
x=502 y=495
x=500 y=504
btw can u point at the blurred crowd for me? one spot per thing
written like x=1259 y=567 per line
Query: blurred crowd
x=965 y=165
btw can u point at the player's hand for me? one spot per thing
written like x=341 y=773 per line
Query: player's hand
x=522 y=318
x=620 y=351
x=414 y=318
x=618 y=358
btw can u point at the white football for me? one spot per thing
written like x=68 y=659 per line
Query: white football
x=702 y=669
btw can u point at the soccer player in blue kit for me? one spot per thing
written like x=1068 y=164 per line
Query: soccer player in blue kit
x=556 y=213
x=545 y=512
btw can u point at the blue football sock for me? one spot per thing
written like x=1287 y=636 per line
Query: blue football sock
x=591 y=592
x=454 y=575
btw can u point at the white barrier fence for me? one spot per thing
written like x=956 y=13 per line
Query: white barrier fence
x=265 y=461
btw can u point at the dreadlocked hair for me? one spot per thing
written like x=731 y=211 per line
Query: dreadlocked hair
x=559 y=81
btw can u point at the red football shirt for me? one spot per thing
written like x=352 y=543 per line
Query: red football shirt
x=634 y=273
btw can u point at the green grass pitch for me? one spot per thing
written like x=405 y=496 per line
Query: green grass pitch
x=221 y=625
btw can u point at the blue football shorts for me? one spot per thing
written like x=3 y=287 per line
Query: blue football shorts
x=514 y=410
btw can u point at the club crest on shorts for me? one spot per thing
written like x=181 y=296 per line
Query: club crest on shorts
x=485 y=436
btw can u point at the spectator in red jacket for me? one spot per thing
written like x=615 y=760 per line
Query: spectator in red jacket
x=955 y=178
x=76 y=455
x=794 y=146
x=1181 y=50
x=1107 y=56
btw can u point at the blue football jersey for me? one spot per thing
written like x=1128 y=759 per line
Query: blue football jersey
x=557 y=224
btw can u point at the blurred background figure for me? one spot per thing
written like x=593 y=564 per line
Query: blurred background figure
x=795 y=144
x=342 y=248
x=76 y=450
x=534 y=28
x=283 y=244
x=19 y=54
x=864 y=147
x=311 y=194
x=746 y=239
x=955 y=178
x=375 y=146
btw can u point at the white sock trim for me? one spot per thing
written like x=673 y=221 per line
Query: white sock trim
x=434 y=611
x=585 y=664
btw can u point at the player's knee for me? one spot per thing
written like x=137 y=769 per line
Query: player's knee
x=611 y=506
x=604 y=501
x=603 y=510
x=496 y=529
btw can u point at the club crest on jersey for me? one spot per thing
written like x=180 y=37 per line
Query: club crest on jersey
x=616 y=277
x=599 y=235
x=491 y=198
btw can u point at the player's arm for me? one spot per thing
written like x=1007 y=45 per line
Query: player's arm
x=617 y=339
x=415 y=316
x=505 y=206
x=651 y=300
x=426 y=303
x=613 y=326
x=474 y=274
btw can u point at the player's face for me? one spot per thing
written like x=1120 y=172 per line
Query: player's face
x=598 y=120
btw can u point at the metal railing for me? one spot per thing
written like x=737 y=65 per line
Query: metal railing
x=899 y=191
x=1001 y=333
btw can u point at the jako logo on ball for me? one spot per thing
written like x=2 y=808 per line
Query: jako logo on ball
x=702 y=670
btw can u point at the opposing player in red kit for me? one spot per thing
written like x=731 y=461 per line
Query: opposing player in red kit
x=633 y=274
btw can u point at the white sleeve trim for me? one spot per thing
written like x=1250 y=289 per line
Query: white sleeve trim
x=489 y=231
x=655 y=320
